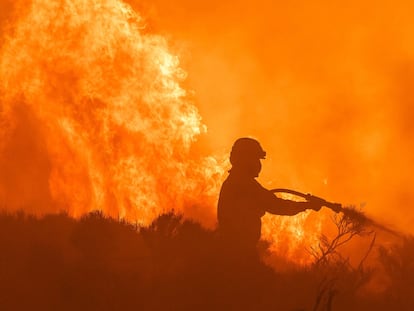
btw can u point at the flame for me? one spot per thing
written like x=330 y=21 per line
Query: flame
x=116 y=123
x=293 y=237
x=99 y=100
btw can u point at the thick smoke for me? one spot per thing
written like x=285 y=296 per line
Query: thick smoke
x=326 y=87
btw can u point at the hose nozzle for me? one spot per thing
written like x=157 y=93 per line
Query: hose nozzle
x=336 y=207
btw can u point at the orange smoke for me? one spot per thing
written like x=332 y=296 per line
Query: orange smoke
x=326 y=88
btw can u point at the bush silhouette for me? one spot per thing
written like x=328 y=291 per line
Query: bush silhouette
x=99 y=263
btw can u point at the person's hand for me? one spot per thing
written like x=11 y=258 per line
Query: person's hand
x=316 y=203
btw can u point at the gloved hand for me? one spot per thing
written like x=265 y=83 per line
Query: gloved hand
x=315 y=203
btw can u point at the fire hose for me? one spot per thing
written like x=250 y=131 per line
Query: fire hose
x=336 y=207
x=350 y=213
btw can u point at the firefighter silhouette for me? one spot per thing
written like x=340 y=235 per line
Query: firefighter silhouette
x=243 y=200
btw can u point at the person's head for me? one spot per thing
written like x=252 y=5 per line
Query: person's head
x=245 y=156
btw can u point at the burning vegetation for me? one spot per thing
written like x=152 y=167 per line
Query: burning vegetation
x=97 y=100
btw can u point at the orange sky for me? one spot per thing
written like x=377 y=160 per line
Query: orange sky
x=326 y=87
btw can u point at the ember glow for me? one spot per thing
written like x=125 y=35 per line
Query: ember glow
x=94 y=114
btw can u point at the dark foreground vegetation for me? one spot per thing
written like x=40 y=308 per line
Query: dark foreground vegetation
x=98 y=263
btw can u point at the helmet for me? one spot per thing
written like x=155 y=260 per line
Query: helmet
x=246 y=149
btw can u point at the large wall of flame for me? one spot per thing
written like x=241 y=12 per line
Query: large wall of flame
x=94 y=116
x=326 y=86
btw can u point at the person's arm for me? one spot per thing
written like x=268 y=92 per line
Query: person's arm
x=290 y=208
x=277 y=206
